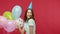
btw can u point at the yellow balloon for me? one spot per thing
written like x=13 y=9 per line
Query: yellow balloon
x=8 y=15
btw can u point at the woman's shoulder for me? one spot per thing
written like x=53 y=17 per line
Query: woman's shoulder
x=31 y=20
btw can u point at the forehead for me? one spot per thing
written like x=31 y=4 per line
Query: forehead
x=29 y=11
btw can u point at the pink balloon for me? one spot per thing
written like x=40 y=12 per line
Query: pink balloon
x=2 y=21
x=9 y=26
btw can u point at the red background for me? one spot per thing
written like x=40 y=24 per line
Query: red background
x=47 y=14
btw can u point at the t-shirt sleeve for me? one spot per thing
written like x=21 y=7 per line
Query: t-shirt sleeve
x=31 y=22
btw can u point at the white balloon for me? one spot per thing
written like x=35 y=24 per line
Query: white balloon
x=19 y=22
x=16 y=11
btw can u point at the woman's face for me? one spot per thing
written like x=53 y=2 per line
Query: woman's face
x=29 y=14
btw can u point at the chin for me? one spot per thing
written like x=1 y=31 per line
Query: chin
x=28 y=17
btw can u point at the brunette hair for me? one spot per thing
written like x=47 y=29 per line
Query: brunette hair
x=25 y=16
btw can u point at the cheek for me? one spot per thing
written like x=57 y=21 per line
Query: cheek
x=27 y=14
x=31 y=14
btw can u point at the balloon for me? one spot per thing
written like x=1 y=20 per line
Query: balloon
x=8 y=15
x=9 y=26
x=19 y=22
x=16 y=11
x=2 y=21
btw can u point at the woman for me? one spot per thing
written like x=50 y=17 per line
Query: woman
x=29 y=25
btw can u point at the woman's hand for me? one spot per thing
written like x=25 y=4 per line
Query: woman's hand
x=21 y=29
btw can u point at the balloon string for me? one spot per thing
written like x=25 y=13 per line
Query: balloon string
x=7 y=32
x=3 y=31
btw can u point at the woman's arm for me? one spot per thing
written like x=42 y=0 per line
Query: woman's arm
x=31 y=29
x=31 y=25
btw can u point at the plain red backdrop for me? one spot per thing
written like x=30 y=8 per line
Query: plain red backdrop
x=47 y=14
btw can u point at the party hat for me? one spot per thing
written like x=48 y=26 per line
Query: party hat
x=30 y=6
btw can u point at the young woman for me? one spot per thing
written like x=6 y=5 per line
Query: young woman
x=29 y=22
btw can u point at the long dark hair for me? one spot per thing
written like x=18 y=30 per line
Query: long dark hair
x=25 y=16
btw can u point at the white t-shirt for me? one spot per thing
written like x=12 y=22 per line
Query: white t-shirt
x=30 y=22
